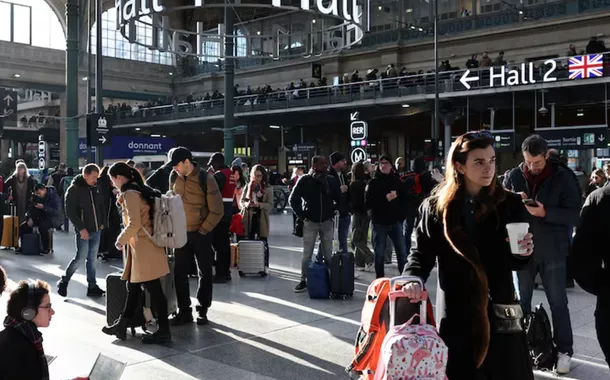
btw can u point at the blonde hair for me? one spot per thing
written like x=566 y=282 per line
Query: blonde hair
x=21 y=165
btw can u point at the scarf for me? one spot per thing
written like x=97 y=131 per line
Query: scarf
x=535 y=181
x=30 y=331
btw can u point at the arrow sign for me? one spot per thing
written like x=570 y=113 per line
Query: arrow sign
x=8 y=100
x=8 y=107
x=102 y=139
x=465 y=79
x=601 y=138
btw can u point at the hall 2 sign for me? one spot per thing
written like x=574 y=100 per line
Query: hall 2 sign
x=501 y=77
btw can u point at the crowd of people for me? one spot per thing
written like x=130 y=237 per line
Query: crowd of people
x=459 y=222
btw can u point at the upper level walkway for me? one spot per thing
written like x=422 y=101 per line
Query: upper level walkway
x=414 y=89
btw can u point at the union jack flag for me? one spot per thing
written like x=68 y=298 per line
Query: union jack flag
x=586 y=66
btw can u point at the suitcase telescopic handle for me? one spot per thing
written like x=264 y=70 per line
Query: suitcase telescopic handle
x=395 y=294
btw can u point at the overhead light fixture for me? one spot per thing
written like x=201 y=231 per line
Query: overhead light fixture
x=171 y=74
x=421 y=29
x=164 y=136
x=313 y=21
x=405 y=106
x=258 y=33
x=85 y=78
x=17 y=75
x=137 y=129
x=580 y=114
x=520 y=12
x=413 y=27
x=409 y=10
x=380 y=7
x=274 y=126
x=155 y=135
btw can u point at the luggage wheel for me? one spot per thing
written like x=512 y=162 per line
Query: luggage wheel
x=241 y=274
x=263 y=273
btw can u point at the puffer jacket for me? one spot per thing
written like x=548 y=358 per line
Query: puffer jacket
x=84 y=206
x=203 y=211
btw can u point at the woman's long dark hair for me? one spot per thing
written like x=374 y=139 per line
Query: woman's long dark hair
x=358 y=172
x=453 y=183
x=241 y=182
x=135 y=183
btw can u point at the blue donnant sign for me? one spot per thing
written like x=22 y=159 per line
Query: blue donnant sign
x=129 y=146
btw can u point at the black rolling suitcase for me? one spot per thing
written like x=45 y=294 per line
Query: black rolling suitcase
x=341 y=268
x=30 y=243
x=116 y=295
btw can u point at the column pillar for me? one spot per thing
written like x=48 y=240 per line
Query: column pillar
x=447 y=142
x=71 y=141
x=229 y=83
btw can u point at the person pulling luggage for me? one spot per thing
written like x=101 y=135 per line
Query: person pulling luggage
x=146 y=263
x=256 y=202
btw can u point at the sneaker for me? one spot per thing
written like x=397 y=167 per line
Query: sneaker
x=95 y=292
x=301 y=287
x=183 y=317
x=564 y=362
x=370 y=267
x=202 y=315
x=62 y=288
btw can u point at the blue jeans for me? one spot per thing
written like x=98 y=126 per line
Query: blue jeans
x=85 y=249
x=344 y=222
x=553 y=275
x=380 y=234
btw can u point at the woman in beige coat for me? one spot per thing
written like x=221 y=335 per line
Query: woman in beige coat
x=256 y=202
x=145 y=263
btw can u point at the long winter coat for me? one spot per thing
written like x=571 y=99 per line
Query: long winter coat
x=266 y=204
x=145 y=261
x=471 y=269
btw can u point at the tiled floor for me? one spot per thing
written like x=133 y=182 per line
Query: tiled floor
x=260 y=328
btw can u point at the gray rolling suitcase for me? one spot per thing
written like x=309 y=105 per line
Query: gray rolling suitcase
x=169 y=287
x=251 y=258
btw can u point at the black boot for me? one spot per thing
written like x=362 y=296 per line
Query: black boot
x=160 y=337
x=202 y=315
x=118 y=329
x=183 y=317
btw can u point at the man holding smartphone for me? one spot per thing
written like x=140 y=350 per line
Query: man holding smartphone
x=552 y=198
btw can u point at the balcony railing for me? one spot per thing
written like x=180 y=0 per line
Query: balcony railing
x=395 y=87
x=507 y=17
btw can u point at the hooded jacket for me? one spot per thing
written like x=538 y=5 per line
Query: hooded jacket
x=51 y=210
x=84 y=206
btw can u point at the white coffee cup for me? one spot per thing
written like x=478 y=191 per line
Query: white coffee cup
x=516 y=233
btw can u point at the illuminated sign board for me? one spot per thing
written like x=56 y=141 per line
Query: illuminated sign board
x=358 y=130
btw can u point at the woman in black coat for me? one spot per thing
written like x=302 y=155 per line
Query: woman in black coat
x=463 y=226
x=113 y=222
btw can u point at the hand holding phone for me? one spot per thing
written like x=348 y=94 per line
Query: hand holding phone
x=530 y=202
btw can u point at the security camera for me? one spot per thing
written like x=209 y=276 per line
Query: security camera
x=543 y=111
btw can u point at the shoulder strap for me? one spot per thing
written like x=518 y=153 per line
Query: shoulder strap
x=203 y=181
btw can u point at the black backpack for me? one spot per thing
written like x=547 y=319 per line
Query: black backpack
x=540 y=339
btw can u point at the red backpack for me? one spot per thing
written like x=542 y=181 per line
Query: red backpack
x=374 y=324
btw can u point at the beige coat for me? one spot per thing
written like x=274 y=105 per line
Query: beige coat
x=265 y=206
x=145 y=261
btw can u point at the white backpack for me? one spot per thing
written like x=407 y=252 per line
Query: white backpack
x=169 y=224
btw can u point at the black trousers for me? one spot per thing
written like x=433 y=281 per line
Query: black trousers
x=222 y=245
x=602 y=316
x=200 y=246
x=157 y=299
x=43 y=228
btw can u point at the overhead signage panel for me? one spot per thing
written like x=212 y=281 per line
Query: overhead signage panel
x=8 y=104
x=575 y=138
x=504 y=140
x=580 y=67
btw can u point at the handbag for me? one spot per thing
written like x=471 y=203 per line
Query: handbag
x=506 y=318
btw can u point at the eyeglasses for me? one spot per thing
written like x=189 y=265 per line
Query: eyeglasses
x=48 y=307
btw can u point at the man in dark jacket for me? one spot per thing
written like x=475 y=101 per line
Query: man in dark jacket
x=313 y=200
x=85 y=210
x=44 y=213
x=418 y=186
x=340 y=185
x=385 y=199
x=591 y=260
x=557 y=198
x=159 y=179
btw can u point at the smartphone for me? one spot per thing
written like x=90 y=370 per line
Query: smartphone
x=530 y=202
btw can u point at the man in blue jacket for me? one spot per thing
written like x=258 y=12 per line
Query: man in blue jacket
x=44 y=212
x=556 y=194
